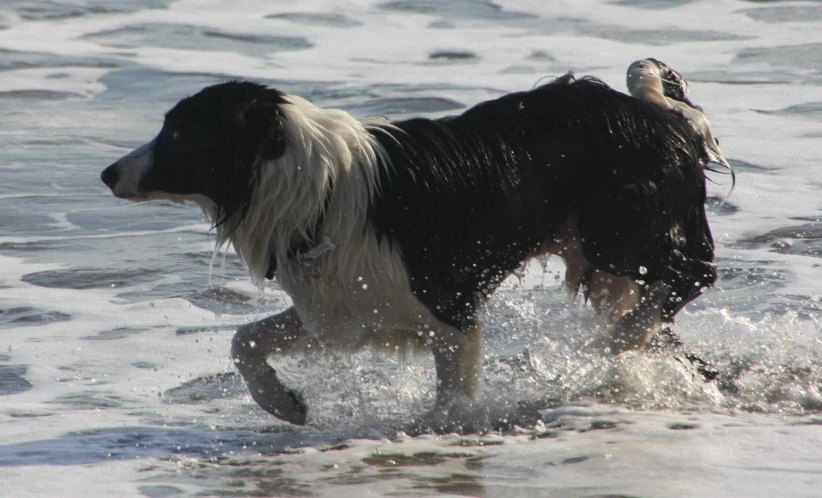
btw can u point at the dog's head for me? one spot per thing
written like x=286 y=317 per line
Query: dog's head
x=208 y=149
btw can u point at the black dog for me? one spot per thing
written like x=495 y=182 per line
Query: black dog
x=394 y=234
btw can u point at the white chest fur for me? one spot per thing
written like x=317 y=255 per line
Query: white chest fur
x=357 y=295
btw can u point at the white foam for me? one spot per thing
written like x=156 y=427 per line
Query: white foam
x=81 y=81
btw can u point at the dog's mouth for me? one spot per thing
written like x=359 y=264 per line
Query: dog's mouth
x=136 y=198
x=124 y=187
x=123 y=190
x=142 y=197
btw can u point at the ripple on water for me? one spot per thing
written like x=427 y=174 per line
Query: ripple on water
x=152 y=87
x=787 y=13
x=130 y=443
x=49 y=10
x=805 y=240
x=115 y=334
x=720 y=206
x=751 y=76
x=317 y=19
x=188 y=37
x=91 y=278
x=652 y=4
x=793 y=61
x=159 y=491
x=221 y=300
x=205 y=389
x=654 y=37
x=13 y=380
x=452 y=55
x=746 y=167
x=540 y=56
x=810 y=110
x=736 y=274
x=23 y=316
x=456 y=10
x=89 y=400
x=37 y=95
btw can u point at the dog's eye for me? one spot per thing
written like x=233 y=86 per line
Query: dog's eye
x=171 y=135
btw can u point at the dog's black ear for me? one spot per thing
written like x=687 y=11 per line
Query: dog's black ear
x=261 y=122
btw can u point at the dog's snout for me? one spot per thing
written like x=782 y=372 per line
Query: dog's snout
x=110 y=176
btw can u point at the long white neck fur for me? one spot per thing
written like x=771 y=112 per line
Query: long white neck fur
x=324 y=148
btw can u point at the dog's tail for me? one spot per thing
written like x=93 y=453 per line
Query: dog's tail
x=654 y=81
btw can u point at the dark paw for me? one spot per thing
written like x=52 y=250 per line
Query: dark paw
x=280 y=402
x=666 y=340
x=705 y=369
x=294 y=411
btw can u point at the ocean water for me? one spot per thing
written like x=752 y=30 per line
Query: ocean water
x=116 y=319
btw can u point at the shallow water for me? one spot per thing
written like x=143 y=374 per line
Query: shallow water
x=115 y=319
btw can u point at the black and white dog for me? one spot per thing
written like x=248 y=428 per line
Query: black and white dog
x=394 y=234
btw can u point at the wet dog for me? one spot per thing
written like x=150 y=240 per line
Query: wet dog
x=394 y=234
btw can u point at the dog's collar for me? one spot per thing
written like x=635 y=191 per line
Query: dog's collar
x=304 y=252
x=307 y=258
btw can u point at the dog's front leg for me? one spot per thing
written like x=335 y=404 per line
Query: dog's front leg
x=458 y=360
x=252 y=345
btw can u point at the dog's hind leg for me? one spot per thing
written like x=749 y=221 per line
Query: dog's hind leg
x=683 y=279
x=612 y=297
x=633 y=329
x=252 y=345
x=458 y=360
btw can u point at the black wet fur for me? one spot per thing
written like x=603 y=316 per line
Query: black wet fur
x=466 y=199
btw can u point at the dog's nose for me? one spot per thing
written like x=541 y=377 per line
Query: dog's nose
x=110 y=176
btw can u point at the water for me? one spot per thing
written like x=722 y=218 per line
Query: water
x=115 y=319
